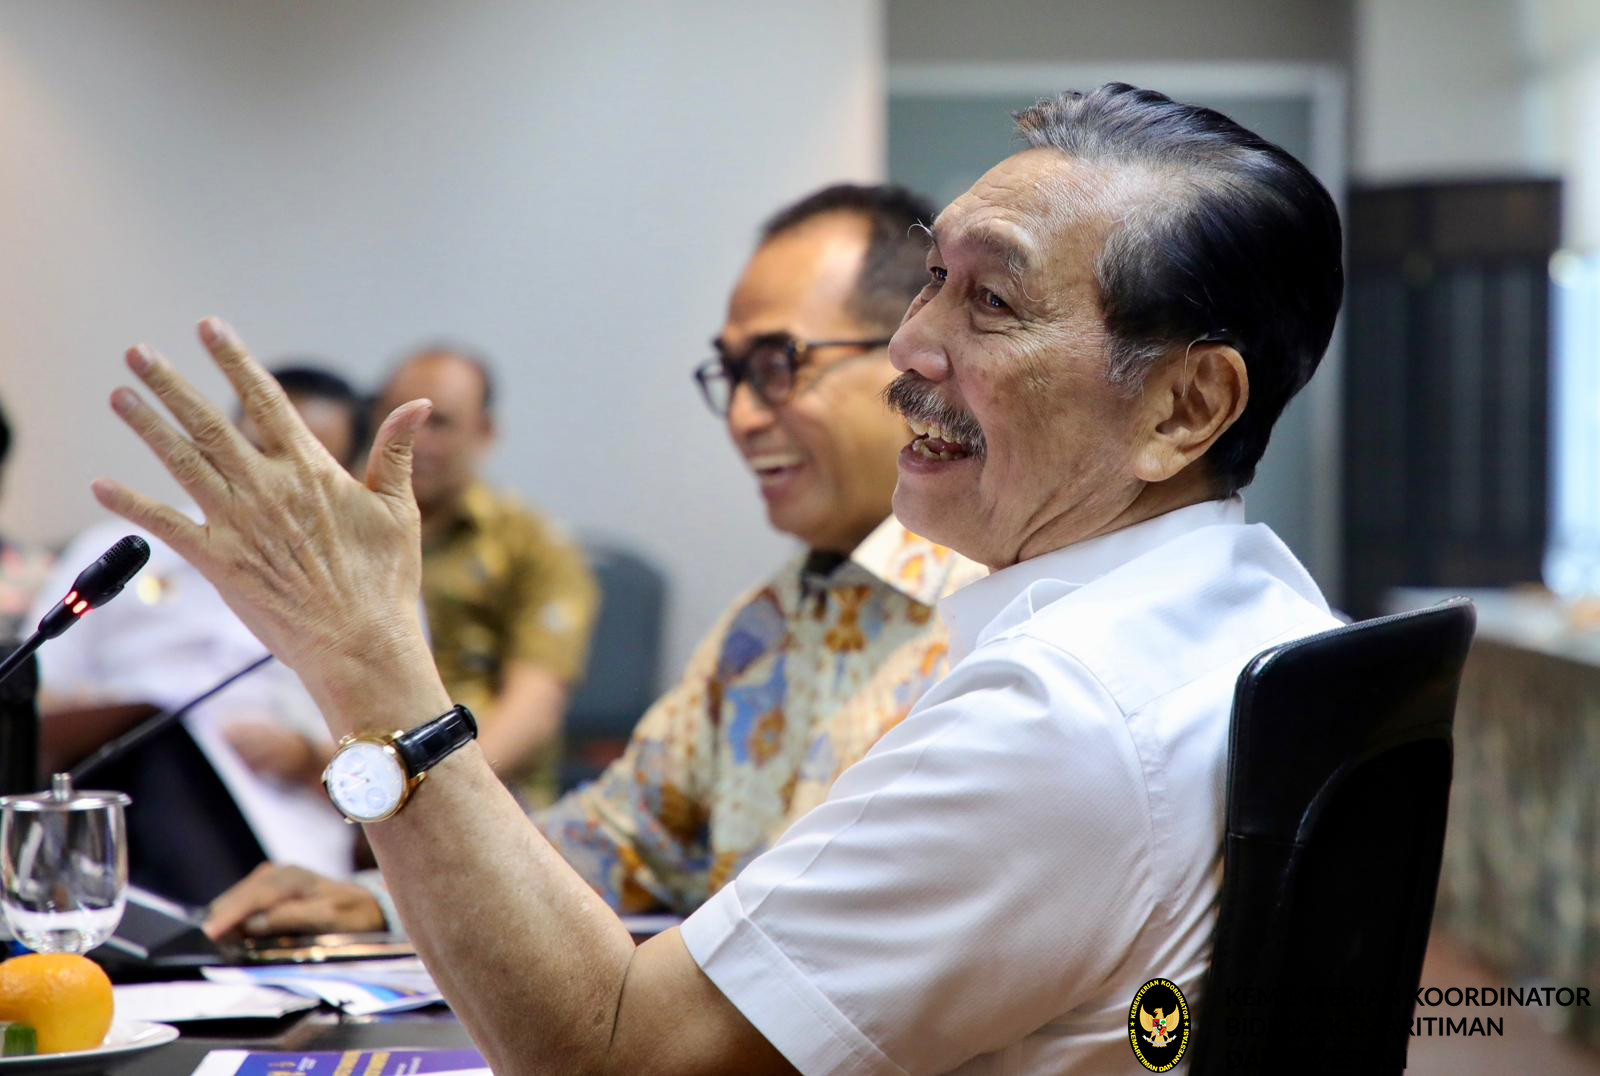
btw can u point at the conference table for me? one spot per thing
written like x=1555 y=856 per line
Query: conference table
x=320 y=1029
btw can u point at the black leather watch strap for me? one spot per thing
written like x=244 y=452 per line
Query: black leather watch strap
x=427 y=745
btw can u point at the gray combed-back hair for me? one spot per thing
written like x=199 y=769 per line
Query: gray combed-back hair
x=1226 y=238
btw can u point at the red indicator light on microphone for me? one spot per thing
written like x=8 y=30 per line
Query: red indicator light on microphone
x=70 y=598
x=81 y=608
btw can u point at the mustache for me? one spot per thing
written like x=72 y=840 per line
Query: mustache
x=915 y=397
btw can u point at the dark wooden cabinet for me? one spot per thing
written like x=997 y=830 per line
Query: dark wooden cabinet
x=1446 y=426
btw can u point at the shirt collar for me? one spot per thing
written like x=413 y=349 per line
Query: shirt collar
x=890 y=555
x=474 y=507
x=970 y=610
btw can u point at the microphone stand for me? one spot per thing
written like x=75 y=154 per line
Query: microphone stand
x=23 y=652
x=19 y=725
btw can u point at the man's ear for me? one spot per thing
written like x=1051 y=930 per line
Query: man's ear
x=1190 y=401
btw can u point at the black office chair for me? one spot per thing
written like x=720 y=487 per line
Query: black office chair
x=1339 y=767
x=624 y=660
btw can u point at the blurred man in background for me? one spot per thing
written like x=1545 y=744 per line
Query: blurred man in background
x=510 y=601
x=167 y=641
x=806 y=671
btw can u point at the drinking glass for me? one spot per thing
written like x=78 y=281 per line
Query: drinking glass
x=63 y=866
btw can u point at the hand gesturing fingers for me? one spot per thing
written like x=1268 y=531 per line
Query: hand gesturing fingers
x=261 y=397
x=325 y=570
x=213 y=435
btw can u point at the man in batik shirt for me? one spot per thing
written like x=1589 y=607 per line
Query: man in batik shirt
x=510 y=600
x=793 y=686
x=804 y=673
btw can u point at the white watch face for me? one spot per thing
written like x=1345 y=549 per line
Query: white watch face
x=365 y=781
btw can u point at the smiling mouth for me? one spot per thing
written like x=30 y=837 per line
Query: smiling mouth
x=934 y=443
x=772 y=470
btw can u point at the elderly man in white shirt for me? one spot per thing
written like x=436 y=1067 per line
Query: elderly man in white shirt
x=1114 y=319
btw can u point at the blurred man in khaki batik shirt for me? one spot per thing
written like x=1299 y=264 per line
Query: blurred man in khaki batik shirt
x=510 y=601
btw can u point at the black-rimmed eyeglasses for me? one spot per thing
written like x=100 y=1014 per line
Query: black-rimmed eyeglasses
x=768 y=366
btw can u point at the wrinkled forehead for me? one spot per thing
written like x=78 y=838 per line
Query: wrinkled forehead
x=1040 y=215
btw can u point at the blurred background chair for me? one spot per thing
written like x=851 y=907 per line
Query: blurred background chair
x=1339 y=769
x=187 y=839
x=624 y=662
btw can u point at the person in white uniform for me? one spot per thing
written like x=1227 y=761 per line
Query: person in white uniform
x=1114 y=318
x=170 y=637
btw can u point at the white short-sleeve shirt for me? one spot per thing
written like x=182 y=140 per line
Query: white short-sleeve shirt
x=990 y=885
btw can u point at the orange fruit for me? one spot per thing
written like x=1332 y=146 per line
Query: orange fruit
x=64 y=997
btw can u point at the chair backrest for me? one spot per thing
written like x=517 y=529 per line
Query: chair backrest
x=1339 y=764
x=624 y=660
x=187 y=839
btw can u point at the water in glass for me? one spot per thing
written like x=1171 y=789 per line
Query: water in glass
x=63 y=867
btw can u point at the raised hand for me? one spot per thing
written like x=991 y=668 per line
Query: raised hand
x=325 y=570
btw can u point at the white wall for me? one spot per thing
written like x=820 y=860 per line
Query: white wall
x=1440 y=90
x=571 y=187
x=1446 y=89
x=1564 y=66
x=1083 y=32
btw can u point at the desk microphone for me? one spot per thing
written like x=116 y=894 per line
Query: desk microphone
x=95 y=585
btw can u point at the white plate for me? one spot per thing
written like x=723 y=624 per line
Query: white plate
x=125 y=1037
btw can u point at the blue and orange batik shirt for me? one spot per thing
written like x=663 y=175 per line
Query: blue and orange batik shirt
x=799 y=678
